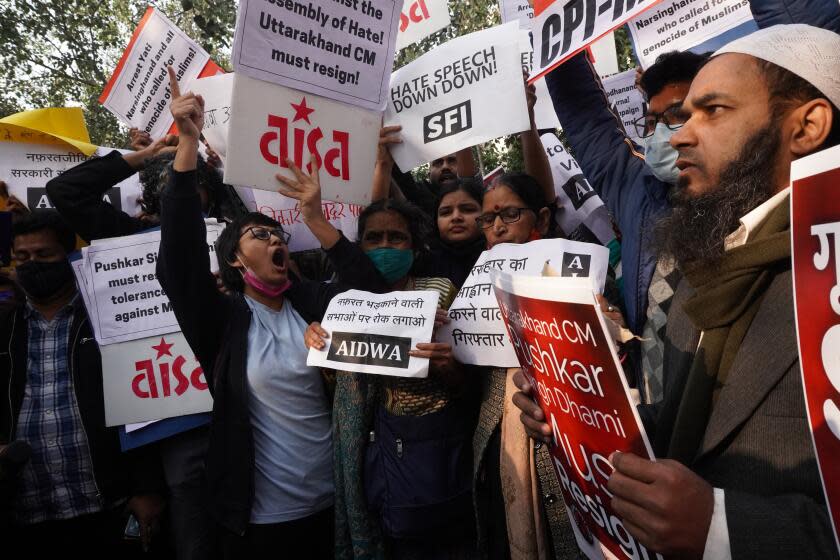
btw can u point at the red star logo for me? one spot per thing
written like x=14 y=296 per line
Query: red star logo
x=302 y=111
x=163 y=349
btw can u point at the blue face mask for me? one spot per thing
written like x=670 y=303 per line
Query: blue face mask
x=392 y=263
x=660 y=156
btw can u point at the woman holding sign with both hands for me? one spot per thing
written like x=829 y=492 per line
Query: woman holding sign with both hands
x=403 y=447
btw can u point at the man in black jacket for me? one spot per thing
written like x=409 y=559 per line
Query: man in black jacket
x=70 y=494
x=77 y=195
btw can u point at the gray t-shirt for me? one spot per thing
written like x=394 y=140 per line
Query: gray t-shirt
x=290 y=420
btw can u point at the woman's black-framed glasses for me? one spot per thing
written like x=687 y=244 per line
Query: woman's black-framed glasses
x=265 y=233
x=672 y=117
x=508 y=216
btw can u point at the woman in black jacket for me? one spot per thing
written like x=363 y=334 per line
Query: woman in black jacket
x=270 y=417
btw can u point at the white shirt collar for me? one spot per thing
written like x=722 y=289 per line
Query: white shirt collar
x=753 y=219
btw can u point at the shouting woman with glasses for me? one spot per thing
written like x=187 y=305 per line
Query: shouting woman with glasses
x=269 y=473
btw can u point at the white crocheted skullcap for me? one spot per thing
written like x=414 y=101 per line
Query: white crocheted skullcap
x=810 y=52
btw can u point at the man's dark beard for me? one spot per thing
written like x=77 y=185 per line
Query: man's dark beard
x=696 y=229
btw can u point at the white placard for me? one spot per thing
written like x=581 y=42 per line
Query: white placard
x=151 y=379
x=217 y=92
x=26 y=169
x=576 y=199
x=421 y=18
x=476 y=330
x=343 y=217
x=544 y=114
x=450 y=98
x=626 y=100
x=138 y=91
x=373 y=333
x=563 y=28
x=270 y=123
x=517 y=10
x=343 y=49
x=605 y=55
x=679 y=25
x=127 y=300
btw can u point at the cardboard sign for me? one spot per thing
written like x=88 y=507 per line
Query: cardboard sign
x=517 y=10
x=271 y=123
x=449 y=98
x=544 y=114
x=217 y=92
x=476 y=330
x=54 y=125
x=138 y=91
x=340 y=50
x=604 y=55
x=564 y=349
x=562 y=28
x=124 y=298
x=26 y=169
x=626 y=100
x=679 y=25
x=373 y=333
x=815 y=231
x=576 y=199
x=344 y=217
x=152 y=378
x=421 y=18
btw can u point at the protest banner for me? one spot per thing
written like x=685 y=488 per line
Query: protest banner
x=26 y=169
x=626 y=100
x=217 y=92
x=373 y=333
x=475 y=327
x=138 y=91
x=152 y=378
x=544 y=114
x=517 y=10
x=681 y=25
x=564 y=349
x=449 y=98
x=344 y=217
x=125 y=300
x=271 y=123
x=421 y=18
x=562 y=28
x=815 y=232
x=576 y=199
x=342 y=50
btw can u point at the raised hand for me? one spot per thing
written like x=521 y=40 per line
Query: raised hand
x=187 y=109
x=305 y=188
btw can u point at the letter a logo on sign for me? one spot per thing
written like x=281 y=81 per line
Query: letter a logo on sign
x=578 y=190
x=576 y=265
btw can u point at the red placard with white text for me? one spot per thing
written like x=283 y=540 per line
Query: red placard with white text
x=562 y=345
x=815 y=232
x=138 y=91
x=562 y=28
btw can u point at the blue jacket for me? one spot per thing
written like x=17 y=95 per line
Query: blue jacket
x=615 y=166
x=616 y=169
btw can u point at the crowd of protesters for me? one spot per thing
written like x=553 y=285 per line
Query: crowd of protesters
x=297 y=462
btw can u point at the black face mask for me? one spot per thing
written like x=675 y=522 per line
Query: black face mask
x=43 y=280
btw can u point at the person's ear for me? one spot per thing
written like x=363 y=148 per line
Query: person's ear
x=810 y=126
x=236 y=262
x=543 y=218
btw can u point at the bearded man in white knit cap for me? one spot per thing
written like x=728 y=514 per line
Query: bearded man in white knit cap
x=736 y=475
